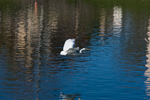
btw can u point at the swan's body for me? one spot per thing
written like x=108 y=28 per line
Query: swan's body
x=69 y=49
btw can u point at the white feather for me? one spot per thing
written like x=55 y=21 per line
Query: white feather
x=69 y=44
x=69 y=49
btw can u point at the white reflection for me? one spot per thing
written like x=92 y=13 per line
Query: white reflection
x=102 y=21
x=21 y=38
x=117 y=20
x=102 y=25
x=147 y=72
x=69 y=96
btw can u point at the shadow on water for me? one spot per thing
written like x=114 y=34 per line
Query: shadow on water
x=32 y=34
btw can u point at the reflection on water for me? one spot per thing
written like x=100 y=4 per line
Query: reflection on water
x=147 y=72
x=117 y=20
x=102 y=21
x=33 y=35
x=69 y=97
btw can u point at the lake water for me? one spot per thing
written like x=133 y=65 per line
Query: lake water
x=33 y=32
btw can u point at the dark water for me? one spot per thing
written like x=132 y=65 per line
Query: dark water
x=33 y=32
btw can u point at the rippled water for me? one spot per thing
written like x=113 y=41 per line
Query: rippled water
x=33 y=32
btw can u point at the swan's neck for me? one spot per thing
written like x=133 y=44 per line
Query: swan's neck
x=82 y=50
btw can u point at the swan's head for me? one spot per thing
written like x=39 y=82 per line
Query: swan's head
x=83 y=49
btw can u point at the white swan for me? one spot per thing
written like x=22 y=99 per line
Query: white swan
x=69 y=49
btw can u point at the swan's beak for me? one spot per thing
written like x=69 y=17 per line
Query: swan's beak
x=102 y=35
x=87 y=49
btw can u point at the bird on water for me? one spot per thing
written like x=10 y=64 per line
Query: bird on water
x=69 y=48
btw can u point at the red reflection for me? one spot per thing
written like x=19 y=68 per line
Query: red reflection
x=35 y=6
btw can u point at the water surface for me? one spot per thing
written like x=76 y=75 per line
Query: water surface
x=32 y=34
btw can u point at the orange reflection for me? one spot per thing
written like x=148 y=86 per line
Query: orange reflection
x=35 y=6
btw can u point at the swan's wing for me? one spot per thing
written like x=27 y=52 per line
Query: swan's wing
x=72 y=51
x=69 y=44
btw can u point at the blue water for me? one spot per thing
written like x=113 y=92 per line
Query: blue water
x=32 y=34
